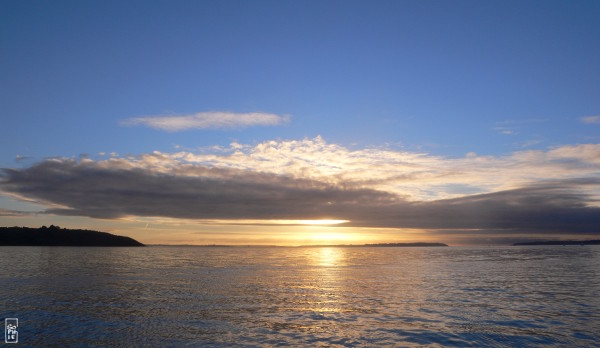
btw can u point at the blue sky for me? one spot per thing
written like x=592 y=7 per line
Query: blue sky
x=444 y=78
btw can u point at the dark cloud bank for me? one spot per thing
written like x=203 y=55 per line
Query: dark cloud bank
x=94 y=190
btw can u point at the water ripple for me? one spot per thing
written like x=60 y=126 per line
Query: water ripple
x=175 y=296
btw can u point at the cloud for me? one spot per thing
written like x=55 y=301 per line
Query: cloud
x=237 y=187
x=504 y=130
x=207 y=120
x=92 y=189
x=416 y=176
x=553 y=207
x=11 y=213
x=21 y=158
x=590 y=119
x=530 y=143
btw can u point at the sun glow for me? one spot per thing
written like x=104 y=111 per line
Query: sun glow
x=321 y=222
x=313 y=234
x=331 y=237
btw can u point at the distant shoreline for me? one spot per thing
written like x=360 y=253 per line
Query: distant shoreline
x=384 y=245
x=560 y=242
x=389 y=245
x=56 y=236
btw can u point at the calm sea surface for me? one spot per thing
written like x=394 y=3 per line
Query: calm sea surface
x=199 y=296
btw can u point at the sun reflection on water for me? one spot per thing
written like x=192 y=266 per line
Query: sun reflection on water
x=329 y=257
x=324 y=284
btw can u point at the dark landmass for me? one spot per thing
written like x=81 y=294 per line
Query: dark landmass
x=561 y=242
x=56 y=236
x=407 y=245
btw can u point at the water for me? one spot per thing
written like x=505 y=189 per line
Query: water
x=200 y=296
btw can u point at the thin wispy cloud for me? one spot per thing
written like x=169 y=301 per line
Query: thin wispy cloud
x=11 y=213
x=208 y=120
x=530 y=143
x=504 y=130
x=590 y=119
x=517 y=127
x=21 y=158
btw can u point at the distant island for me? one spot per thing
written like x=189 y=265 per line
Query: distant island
x=56 y=236
x=382 y=245
x=561 y=242
x=406 y=245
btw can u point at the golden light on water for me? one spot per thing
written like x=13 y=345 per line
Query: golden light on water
x=329 y=257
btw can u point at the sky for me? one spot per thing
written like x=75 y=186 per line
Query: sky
x=302 y=122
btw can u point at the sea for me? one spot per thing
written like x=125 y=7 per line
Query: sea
x=173 y=296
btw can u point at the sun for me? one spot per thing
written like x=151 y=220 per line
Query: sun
x=319 y=234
